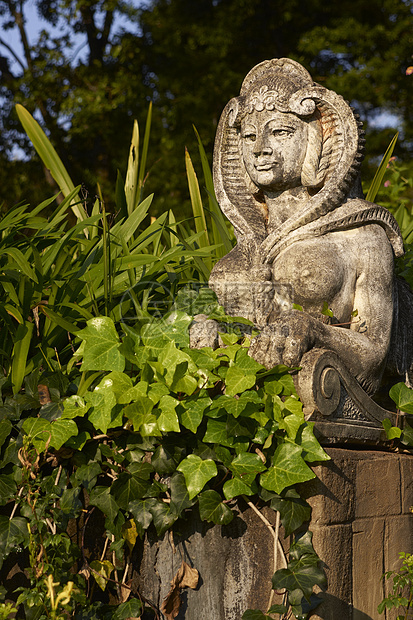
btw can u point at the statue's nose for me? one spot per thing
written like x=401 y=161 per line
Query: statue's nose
x=261 y=147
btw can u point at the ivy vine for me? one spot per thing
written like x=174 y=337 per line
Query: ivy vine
x=142 y=430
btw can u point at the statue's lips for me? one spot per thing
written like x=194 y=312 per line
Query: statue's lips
x=265 y=166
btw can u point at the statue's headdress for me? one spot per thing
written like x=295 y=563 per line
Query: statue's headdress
x=284 y=85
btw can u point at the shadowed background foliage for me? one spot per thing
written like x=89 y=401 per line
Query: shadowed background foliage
x=97 y=64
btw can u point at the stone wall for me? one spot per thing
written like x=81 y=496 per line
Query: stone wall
x=361 y=520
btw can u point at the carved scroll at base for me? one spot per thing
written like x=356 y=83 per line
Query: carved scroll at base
x=339 y=406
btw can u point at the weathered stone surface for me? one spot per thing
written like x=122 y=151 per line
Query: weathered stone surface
x=332 y=494
x=286 y=174
x=368 y=566
x=235 y=564
x=374 y=497
x=361 y=520
x=334 y=545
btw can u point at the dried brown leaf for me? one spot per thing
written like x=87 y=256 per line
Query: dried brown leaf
x=125 y=593
x=186 y=577
x=44 y=394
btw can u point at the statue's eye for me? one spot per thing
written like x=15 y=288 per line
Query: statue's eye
x=250 y=137
x=281 y=133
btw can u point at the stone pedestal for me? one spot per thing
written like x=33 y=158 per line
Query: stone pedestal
x=361 y=520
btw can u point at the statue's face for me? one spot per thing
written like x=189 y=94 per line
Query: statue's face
x=273 y=149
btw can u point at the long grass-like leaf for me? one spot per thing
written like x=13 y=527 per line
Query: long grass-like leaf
x=49 y=157
x=16 y=255
x=378 y=177
x=20 y=352
x=131 y=182
x=120 y=196
x=144 y=155
x=197 y=206
x=221 y=234
x=59 y=320
x=129 y=227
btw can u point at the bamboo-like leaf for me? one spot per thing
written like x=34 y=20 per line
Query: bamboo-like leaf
x=197 y=206
x=129 y=227
x=173 y=236
x=378 y=177
x=145 y=146
x=50 y=158
x=131 y=183
x=120 y=196
x=59 y=320
x=14 y=312
x=19 y=356
x=219 y=228
x=16 y=255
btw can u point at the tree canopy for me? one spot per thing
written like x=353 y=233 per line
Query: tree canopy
x=189 y=58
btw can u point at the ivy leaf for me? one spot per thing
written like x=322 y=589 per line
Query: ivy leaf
x=237 y=381
x=299 y=575
x=255 y=614
x=235 y=487
x=216 y=432
x=242 y=427
x=246 y=466
x=312 y=451
x=182 y=381
x=294 y=510
x=294 y=406
x=39 y=432
x=13 y=532
x=70 y=503
x=288 y=468
x=127 y=488
x=7 y=488
x=192 y=413
x=138 y=410
x=128 y=609
x=163 y=461
x=163 y=517
x=121 y=384
x=168 y=419
x=129 y=533
x=141 y=510
x=179 y=493
x=87 y=474
x=156 y=391
x=61 y=431
x=103 y=401
x=102 y=345
x=101 y=571
x=74 y=407
x=5 y=429
x=197 y=473
x=173 y=328
x=246 y=363
x=247 y=404
x=211 y=508
x=292 y=423
x=101 y=498
x=403 y=397
x=392 y=432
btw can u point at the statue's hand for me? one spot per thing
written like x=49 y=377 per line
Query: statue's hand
x=203 y=332
x=285 y=341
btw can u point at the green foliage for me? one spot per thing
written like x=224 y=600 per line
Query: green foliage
x=174 y=440
x=190 y=59
x=403 y=398
x=402 y=588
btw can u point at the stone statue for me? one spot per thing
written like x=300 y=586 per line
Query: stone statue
x=286 y=174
